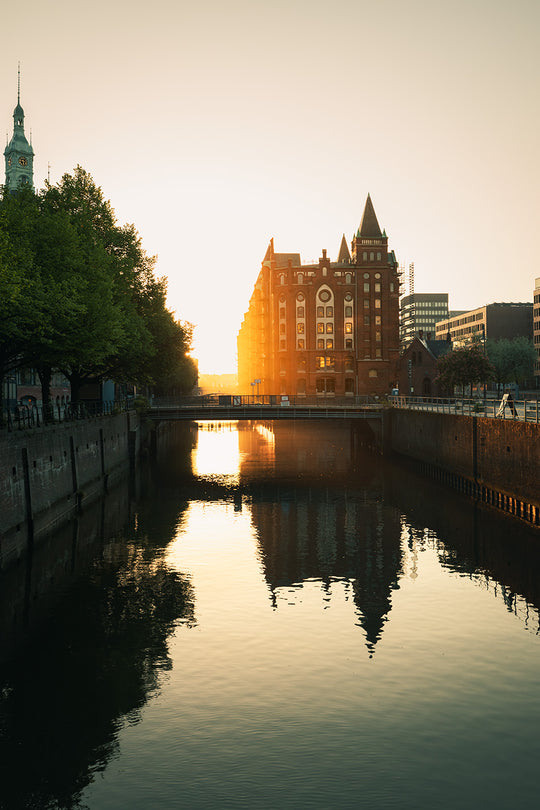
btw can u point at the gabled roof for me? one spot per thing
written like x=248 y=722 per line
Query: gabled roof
x=369 y=227
x=344 y=255
x=436 y=348
x=282 y=259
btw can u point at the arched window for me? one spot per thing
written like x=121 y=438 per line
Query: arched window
x=300 y=278
x=348 y=278
x=282 y=279
x=372 y=256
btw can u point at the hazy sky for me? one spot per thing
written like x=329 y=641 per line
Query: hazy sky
x=213 y=126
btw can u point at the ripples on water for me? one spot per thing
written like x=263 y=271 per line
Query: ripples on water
x=272 y=623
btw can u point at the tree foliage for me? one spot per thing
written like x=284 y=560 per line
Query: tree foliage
x=465 y=366
x=78 y=293
x=512 y=360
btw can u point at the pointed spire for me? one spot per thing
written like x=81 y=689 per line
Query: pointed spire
x=369 y=227
x=269 y=255
x=19 y=83
x=344 y=255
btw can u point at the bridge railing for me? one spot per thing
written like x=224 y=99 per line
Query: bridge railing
x=527 y=410
x=274 y=400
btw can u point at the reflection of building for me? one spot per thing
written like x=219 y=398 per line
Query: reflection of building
x=418 y=369
x=536 y=326
x=493 y=322
x=421 y=312
x=328 y=522
x=330 y=328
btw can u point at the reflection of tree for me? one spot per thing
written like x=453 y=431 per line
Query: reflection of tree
x=470 y=538
x=93 y=663
x=101 y=612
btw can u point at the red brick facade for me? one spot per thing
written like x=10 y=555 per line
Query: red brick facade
x=328 y=329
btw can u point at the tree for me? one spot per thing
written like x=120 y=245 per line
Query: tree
x=512 y=360
x=465 y=366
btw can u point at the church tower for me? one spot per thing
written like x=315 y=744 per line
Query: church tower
x=18 y=153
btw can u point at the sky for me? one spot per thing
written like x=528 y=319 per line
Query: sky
x=213 y=126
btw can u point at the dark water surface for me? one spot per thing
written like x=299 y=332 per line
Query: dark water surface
x=267 y=622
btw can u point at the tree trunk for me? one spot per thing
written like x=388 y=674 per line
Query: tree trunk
x=45 y=374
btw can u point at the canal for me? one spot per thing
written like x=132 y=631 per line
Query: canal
x=265 y=618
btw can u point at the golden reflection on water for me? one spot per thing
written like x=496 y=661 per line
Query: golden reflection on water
x=217 y=453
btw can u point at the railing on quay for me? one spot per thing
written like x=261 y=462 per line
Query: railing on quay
x=525 y=410
x=22 y=417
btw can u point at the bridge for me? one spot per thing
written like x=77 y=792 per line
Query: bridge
x=266 y=408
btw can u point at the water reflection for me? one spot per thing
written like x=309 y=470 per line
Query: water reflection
x=292 y=614
x=96 y=606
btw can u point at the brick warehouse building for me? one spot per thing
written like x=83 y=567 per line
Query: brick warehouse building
x=327 y=329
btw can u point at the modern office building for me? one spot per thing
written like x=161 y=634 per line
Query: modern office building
x=536 y=326
x=329 y=328
x=420 y=312
x=491 y=322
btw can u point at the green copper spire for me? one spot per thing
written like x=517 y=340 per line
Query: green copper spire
x=18 y=153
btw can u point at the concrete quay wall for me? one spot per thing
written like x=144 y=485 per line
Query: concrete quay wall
x=49 y=473
x=499 y=458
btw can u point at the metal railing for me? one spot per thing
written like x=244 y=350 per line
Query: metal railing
x=525 y=410
x=22 y=417
x=319 y=401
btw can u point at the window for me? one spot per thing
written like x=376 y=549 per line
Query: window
x=320 y=327
x=320 y=343
x=301 y=364
x=366 y=286
x=349 y=364
x=300 y=328
x=378 y=337
x=364 y=256
x=300 y=278
x=281 y=344
x=377 y=303
x=319 y=361
x=366 y=320
x=320 y=312
x=299 y=312
x=348 y=328
x=372 y=256
x=329 y=343
x=348 y=278
x=329 y=312
x=348 y=297
x=301 y=343
x=348 y=343
x=377 y=286
x=282 y=329
x=378 y=256
x=282 y=312
x=378 y=320
x=378 y=352
x=300 y=297
x=329 y=328
x=282 y=279
x=348 y=312
x=372 y=372
x=366 y=303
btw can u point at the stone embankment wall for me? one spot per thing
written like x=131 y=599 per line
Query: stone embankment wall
x=48 y=473
x=496 y=460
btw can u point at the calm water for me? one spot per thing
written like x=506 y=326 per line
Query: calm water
x=270 y=623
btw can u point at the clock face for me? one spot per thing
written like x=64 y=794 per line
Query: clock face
x=23 y=161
